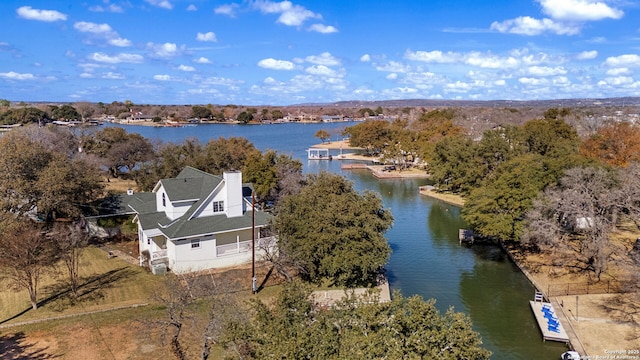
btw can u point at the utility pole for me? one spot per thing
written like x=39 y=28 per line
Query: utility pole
x=253 y=243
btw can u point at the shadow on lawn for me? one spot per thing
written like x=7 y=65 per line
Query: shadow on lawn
x=91 y=290
x=14 y=346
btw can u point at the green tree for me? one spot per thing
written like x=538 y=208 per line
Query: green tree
x=64 y=112
x=497 y=208
x=276 y=114
x=120 y=150
x=34 y=177
x=323 y=135
x=333 y=231
x=224 y=154
x=268 y=172
x=405 y=328
x=200 y=112
x=454 y=164
x=5 y=103
x=244 y=117
x=24 y=115
x=372 y=135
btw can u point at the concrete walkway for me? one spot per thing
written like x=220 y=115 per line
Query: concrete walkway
x=329 y=298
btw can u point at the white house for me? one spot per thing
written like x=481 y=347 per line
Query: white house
x=197 y=221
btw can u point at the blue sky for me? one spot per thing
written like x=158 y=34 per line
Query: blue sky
x=261 y=52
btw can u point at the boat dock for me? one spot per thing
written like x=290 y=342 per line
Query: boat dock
x=548 y=322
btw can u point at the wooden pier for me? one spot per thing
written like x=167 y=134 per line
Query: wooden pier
x=466 y=236
x=546 y=315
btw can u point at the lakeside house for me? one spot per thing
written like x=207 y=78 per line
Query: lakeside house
x=197 y=221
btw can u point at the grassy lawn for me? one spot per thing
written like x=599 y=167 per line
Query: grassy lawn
x=106 y=283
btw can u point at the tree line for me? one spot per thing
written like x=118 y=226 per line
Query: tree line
x=522 y=183
x=328 y=232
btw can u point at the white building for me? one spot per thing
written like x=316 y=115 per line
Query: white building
x=197 y=221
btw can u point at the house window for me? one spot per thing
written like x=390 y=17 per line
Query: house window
x=164 y=201
x=218 y=206
x=195 y=244
x=148 y=241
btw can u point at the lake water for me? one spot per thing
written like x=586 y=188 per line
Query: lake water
x=427 y=259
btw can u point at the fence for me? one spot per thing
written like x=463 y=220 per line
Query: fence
x=602 y=287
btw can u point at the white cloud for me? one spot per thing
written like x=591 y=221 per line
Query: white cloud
x=192 y=7
x=394 y=67
x=365 y=58
x=120 y=58
x=542 y=71
x=11 y=75
x=162 y=77
x=631 y=60
x=323 y=29
x=587 y=55
x=165 y=50
x=290 y=14
x=274 y=64
x=533 y=81
x=323 y=59
x=227 y=9
x=579 y=10
x=112 y=76
x=186 y=68
x=29 y=13
x=111 y=8
x=617 y=81
x=209 y=36
x=165 y=4
x=489 y=61
x=202 y=60
x=94 y=28
x=500 y=82
x=120 y=42
x=619 y=71
x=435 y=56
x=321 y=70
x=102 y=31
x=526 y=25
x=392 y=76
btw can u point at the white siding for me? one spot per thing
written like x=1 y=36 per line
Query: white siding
x=233 y=186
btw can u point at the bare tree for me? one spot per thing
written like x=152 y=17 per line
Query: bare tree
x=283 y=263
x=578 y=216
x=25 y=255
x=70 y=240
x=183 y=296
x=177 y=299
x=85 y=109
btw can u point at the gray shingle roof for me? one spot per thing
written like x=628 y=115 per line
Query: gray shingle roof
x=192 y=184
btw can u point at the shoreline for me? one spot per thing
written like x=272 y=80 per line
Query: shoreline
x=448 y=198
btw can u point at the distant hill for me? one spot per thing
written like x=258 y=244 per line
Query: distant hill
x=622 y=101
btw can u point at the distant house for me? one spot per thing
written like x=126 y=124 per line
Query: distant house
x=197 y=221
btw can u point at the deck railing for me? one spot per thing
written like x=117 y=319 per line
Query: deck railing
x=241 y=247
x=158 y=255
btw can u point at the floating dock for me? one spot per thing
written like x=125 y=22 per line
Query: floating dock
x=548 y=322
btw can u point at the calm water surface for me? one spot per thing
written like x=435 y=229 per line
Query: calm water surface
x=427 y=259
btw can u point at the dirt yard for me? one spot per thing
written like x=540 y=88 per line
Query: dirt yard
x=604 y=322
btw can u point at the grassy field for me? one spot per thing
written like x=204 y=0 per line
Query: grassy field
x=104 y=323
x=106 y=283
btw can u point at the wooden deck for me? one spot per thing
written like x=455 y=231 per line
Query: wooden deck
x=547 y=334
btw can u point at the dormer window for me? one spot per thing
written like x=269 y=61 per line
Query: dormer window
x=218 y=206
x=164 y=200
